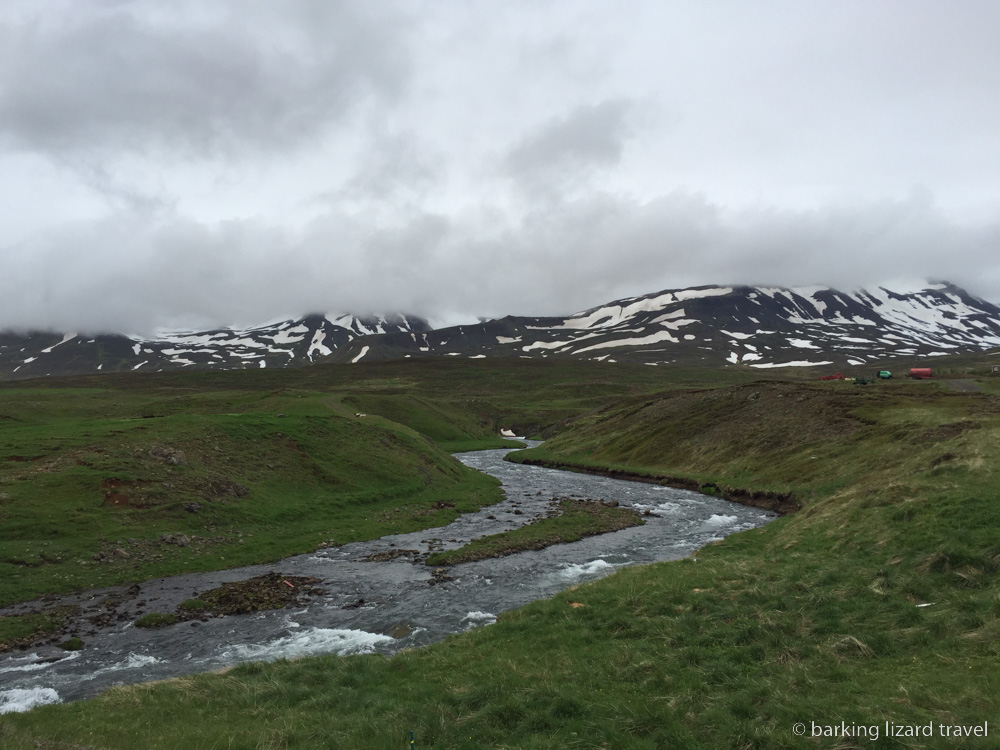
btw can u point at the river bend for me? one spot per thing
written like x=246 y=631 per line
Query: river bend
x=403 y=605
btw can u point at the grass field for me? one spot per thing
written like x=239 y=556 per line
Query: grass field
x=877 y=602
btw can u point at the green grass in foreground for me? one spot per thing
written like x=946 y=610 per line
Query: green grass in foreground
x=575 y=520
x=815 y=617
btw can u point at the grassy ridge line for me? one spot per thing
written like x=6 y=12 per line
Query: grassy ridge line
x=774 y=501
x=451 y=429
x=812 y=618
x=473 y=398
x=807 y=439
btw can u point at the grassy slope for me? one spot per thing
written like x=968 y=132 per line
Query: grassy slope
x=80 y=477
x=812 y=618
x=771 y=435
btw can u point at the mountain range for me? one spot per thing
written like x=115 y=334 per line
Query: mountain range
x=754 y=326
x=286 y=343
x=761 y=327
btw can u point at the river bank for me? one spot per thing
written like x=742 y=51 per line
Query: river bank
x=781 y=503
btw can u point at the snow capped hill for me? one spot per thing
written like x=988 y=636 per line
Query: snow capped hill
x=761 y=327
x=279 y=344
x=310 y=338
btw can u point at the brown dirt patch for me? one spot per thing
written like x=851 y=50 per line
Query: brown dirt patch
x=268 y=591
x=121 y=492
x=946 y=431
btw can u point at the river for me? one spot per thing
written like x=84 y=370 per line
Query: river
x=373 y=606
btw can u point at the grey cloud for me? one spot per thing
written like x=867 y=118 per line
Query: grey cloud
x=590 y=135
x=591 y=251
x=126 y=274
x=394 y=167
x=572 y=256
x=128 y=79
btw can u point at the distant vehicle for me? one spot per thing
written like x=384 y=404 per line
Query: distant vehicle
x=884 y=375
x=838 y=376
x=920 y=373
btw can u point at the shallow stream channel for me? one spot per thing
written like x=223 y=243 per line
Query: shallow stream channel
x=375 y=596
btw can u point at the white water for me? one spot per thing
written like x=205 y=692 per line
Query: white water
x=306 y=643
x=24 y=699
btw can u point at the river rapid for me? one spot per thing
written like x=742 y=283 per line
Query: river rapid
x=371 y=606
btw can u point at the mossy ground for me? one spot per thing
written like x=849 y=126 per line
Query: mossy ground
x=267 y=591
x=572 y=520
x=155 y=620
x=24 y=629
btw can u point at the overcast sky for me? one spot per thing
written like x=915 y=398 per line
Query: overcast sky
x=190 y=163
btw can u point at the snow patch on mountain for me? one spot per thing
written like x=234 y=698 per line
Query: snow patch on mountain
x=792 y=364
x=67 y=337
x=653 y=338
x=545 y=345
x=316 y=346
